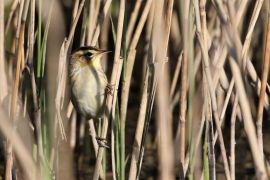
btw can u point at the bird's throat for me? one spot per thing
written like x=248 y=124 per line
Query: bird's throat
x=95 y=63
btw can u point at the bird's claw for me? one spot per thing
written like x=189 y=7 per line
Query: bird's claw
x=102 y=142
x=109 y=89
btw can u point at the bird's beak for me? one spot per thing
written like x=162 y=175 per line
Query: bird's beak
x=101 y=52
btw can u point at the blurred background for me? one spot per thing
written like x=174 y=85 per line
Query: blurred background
x=190 y=92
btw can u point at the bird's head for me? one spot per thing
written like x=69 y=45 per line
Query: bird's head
x=89 y=55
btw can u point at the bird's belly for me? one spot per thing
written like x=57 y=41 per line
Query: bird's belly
x=88 y=92
x=90 y=106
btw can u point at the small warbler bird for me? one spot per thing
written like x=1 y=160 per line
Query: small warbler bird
x=88 y=82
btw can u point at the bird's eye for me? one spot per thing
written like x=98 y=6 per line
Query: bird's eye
x=88 y=55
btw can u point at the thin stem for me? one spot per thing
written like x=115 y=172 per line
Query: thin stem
x=233 y=119
x=248 y=122
x=132 y=21
x=3 y=78
x=214 y=106
x=183 y=96
x=265 y=73
x=114 y=82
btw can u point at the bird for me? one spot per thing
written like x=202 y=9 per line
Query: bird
x=88 y=82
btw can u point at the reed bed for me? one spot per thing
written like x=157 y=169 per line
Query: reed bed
x=189 y=95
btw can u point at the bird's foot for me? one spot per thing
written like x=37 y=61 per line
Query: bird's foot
x=109 y=89
x=102 y=142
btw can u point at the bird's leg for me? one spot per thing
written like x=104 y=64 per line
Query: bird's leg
x=102 y=142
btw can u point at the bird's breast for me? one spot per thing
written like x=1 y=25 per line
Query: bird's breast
x=88 y=91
